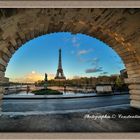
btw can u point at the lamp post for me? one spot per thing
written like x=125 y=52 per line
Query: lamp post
x=46 y=81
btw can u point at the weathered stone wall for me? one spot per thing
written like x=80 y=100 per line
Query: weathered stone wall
x=119 y=28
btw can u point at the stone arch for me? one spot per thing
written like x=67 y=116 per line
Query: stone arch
x=119 y=28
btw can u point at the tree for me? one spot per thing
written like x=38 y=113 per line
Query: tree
x=118 y=83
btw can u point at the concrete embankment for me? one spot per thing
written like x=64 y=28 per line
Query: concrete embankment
x=61 y=96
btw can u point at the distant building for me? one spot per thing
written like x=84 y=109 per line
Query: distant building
x=123 y=73
x=103 y=88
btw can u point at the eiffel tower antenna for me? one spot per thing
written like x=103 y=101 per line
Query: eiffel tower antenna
x=60 y=74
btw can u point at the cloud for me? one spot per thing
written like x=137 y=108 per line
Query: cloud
x=82 y=52
x=82 y=60
x=76 y=44
x=75 y=41
x=93 y=61
x=94 y=70
x=104 y=73
x=32 y=77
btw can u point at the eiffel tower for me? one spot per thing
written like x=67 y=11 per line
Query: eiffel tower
x=60 y=74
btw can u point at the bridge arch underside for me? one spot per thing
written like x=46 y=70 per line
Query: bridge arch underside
x=119 y=28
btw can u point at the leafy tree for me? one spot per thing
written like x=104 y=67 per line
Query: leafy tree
x=118 y=82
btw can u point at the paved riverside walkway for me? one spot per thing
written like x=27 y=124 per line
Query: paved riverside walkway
x=68 y=115
x=89 y=114
x=72 y=121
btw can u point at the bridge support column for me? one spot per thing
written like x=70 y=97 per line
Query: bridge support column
x=134 y=90
x=1 y=96
x=3 y=81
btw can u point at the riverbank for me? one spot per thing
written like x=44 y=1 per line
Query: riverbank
x=61 y=96
x=72 y=89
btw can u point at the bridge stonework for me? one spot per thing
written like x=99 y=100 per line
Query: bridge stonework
x=119 y=28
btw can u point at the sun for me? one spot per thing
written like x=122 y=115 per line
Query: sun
x=33 y=72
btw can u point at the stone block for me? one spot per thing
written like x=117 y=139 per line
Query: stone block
x=134 y=86
x=19 y=42
x=134 y=64
x=11 y=49
x=13 y=42
x=41 y=28
x=134 y=75
x=7 y=52
x=2 y=68
x=1 y=90
x=135 y=104
x=3 y=62
x=32 y=33
x=136 y=71
x=134 y=91
x=1 y=96
x=4 y=80
x=135 y=80
x=135 y=97
x=21 y=35
x=0 y=105
x=2 y=74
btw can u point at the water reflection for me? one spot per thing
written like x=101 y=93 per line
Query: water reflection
x=27 y=90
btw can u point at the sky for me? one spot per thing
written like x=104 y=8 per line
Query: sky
x=82 y=56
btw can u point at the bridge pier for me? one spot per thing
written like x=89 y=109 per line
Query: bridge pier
x=134 y=90
x=3 y=80
x=1 y=96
